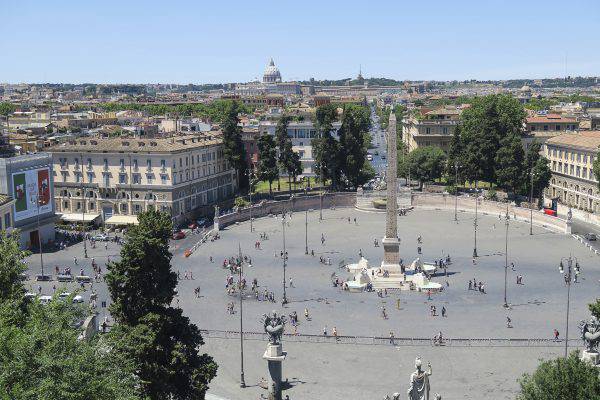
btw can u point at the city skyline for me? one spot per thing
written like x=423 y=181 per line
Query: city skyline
x=200 y=43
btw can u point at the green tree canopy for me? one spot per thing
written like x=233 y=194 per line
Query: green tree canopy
x=426 y=163
x=326 y=147
x=352 y=146
x=509 y=163
x=11 y=267
x=233 y=146
x=561 y=379
x=540 y=166
x=267 y=160
x=7 y=108
x=160 y=342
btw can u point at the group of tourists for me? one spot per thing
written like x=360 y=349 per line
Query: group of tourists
x=473 y=285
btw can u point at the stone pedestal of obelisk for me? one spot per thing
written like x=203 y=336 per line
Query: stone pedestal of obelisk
x=275 y=356
x=391 y=244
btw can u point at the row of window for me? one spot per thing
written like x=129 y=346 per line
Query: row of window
x=557 y=127
x=571 y=155
x=573 y=170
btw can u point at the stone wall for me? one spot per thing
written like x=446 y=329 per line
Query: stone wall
x=487 y=207
x=300 y=203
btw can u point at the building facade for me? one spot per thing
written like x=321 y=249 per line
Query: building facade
x=6 y=213
x=571 y=157
x=116 y=179
x=28 y=180
x=435 y=128
x=543 y=127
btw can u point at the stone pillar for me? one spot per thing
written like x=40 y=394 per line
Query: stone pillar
x=591 y=357
x=275 y=356
x=391 y=244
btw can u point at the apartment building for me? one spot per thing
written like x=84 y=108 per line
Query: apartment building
x=114 y=179
x=571 y=157
x=6 y=217
x=431 y=128
x=543 y=127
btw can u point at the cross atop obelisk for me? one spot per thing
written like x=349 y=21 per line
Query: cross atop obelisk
x=391 y=244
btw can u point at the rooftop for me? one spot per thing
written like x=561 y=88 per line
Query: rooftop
x=550 y=118
x=130 y=144
x=5 y=199
x=586 y=140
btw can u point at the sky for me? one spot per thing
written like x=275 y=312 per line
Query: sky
x=218 y=41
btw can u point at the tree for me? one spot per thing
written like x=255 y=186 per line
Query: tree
x=267 y=160
x=142 y=281
x=11 y=267
x=326 y=147
x=509 y=163
x=281 y=139
x=426 y=163
x=561 y=379
x=352 y=146
x=455 y=154
x=161 y=343
x=540 y=166
x=485 y=125
x=6 y=109
x=233 y=146
x=292 y=164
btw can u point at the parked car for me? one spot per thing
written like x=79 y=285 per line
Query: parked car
x=369 y=157
x=178 y=235
x=100 y=237
x=64 y=295
x=383 y=156
x=590 y=236
x=78 y=299
x=45 y=299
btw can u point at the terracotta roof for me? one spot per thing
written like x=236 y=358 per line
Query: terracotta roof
x=550 y=118
x=160 y=145
x=586 y=140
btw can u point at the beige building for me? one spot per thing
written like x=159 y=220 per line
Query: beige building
x=571 y=157
x=6 y=217
x=122 y=177
x=433 y=128
x=543 y=127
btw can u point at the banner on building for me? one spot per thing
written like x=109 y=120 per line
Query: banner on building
x=31 y=190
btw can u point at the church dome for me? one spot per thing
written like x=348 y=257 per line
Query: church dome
x=272 y=73
x=525 y=88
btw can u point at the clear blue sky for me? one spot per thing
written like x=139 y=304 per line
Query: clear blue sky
x=205 y=41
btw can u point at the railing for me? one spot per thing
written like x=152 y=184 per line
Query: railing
x=397 y=341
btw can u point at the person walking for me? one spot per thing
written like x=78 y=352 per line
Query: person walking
x=392 y=339
x=443 y=311
x=556 y=334
x=306 y=314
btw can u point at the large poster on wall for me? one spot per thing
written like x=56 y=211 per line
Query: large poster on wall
x=31 y=188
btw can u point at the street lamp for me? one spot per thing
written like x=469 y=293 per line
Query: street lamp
x=531 y=203
x=568 y=274
x=475 y=228
x=284 y=300
x=85 y=254
x=242 y=381
x=305 y=227
x=507 y=218
x=456 y=191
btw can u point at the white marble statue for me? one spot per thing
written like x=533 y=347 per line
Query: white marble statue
x=419 y=382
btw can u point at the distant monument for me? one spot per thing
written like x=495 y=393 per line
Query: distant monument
x=590 y=333
x=419 y=382
x=391 y=244
x=274 y=325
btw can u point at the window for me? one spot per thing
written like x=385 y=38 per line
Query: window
x=76 y=162
x=545 y=127
x=92 y=206
x=137 y=179
x=163 y=179
x=63 y=162
x=149 y=178
x=137 y=208
x=106 y=180
x=122 y=178
x=149 y=163
x=7 y=221
x=77 y=177
x=89 y=163
x=163 y=164
x=532 y=128
x=122 y=163
x=90 y=177
x=174 y=179
x=105 y=163
x=135 y=163
x=558 y=127
x=123 y=208
x=427 y=131
x=181 y=162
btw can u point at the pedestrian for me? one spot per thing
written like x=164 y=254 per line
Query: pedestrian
x=335 y=333
x=75 y=260
x=556 y=339
x=443 y=311
x=508 y=322
x=470 y=285
x=392 y=338
x=512 y=266
x=306 y=314
x=291 y=282
x=355 y=221
x=324 y=331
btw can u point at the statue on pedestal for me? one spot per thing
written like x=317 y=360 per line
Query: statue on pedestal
x=419 y=382
x=217 y=211
x=274 y=325
x=590 y=333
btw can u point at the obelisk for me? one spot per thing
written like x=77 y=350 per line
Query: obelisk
x=391 y=244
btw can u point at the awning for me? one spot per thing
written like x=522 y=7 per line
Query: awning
x=122 y=220
x=79 y=217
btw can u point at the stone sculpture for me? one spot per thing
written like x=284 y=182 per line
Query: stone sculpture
x=274 y=325
x=590 y=333
x=419 y=382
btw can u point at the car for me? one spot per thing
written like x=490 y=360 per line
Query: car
x=100 y=237
x=369 y=157
x=64 y=295
x=590 y=236
x=45 y=299
x=383 y=156
x=376 y=153
x=178 y=235
x=78 y=299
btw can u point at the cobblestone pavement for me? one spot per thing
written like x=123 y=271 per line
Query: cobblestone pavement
x=538 y=306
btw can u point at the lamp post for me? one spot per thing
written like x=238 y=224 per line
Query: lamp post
x=507 y=218
x=85 y=254
x=531 y=203
x=37 y=201
x=305 y=227
x=568 y=274
x=475 y=228
x=284 y=300
x=241 y=263
x=456 y=192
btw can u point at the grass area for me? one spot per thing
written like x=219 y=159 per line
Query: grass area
x=263 y=186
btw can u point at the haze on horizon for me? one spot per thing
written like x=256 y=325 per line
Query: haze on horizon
x=217 y=42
